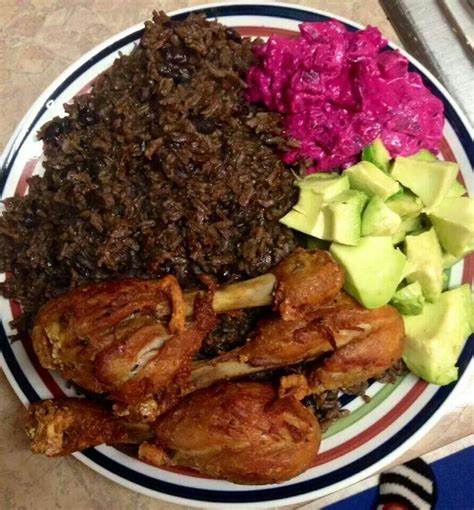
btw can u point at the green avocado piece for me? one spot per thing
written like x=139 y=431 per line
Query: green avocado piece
x=304 y=213
x=328 y=185
x=405 y=204
x=453 y=221
x=297 y=221
x=429 y=180
x=340 y=218
x=323 y=227
x=373 y=269
x=309 y=203
x=424 y=155
x=379 y=220
x=409 y=300
x=368 y=178
x=319 y=176
x=425 y=263
x=410 y=225
x=456 y=190
x=435 y=338
x=377 y=154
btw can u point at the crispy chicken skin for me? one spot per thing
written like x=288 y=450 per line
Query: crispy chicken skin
x=364 y=358
x=277 y=342
x=71 y=331
x=240 y=432
x=111 y=337
x=114 y=338
x=305 y=280
x=368 y=356
x=237 y=431
x=173 y=361
x=63 y=426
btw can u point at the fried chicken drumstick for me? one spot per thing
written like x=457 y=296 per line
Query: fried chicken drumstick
x=67 y=425
x=101 y=336
x=338 y=325
x=371 y=353
x=358 y=344
x=241 y=432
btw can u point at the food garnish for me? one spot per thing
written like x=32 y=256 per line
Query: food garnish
x=339 y=90
x=435 y=338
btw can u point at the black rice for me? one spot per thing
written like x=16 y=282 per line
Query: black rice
x=162 y=168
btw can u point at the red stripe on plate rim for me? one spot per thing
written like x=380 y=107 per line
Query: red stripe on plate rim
x=375 y=429
x=27 y=172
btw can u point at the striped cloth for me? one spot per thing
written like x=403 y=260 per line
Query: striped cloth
x=410 y=486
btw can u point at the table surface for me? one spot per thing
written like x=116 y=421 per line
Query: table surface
x=38 y=40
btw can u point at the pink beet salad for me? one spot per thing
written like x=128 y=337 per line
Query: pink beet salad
x=339 y=90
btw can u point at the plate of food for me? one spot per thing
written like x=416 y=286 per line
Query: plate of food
x=236 y=252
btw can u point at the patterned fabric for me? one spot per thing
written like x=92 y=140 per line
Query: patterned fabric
x=411 y=486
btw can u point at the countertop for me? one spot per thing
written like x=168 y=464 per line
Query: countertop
x=38 y=40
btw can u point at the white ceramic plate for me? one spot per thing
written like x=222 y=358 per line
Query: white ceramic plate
x=357 y=445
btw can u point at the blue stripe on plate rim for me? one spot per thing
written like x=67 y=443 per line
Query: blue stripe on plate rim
x=288 y=493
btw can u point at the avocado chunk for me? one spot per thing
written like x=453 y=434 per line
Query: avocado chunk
x=429 y=180
x=409 y=300
x=328 y=185
x=340 y=218
x=373 y=269
x=424 y=155
x=453 y=221
x=456 y=190
x=379 y=220
x=435 y=338
x=377 y=154
x=405 y=204
x=367 y=178
x=425 y=263
x=304 y=213
x=408 y=226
